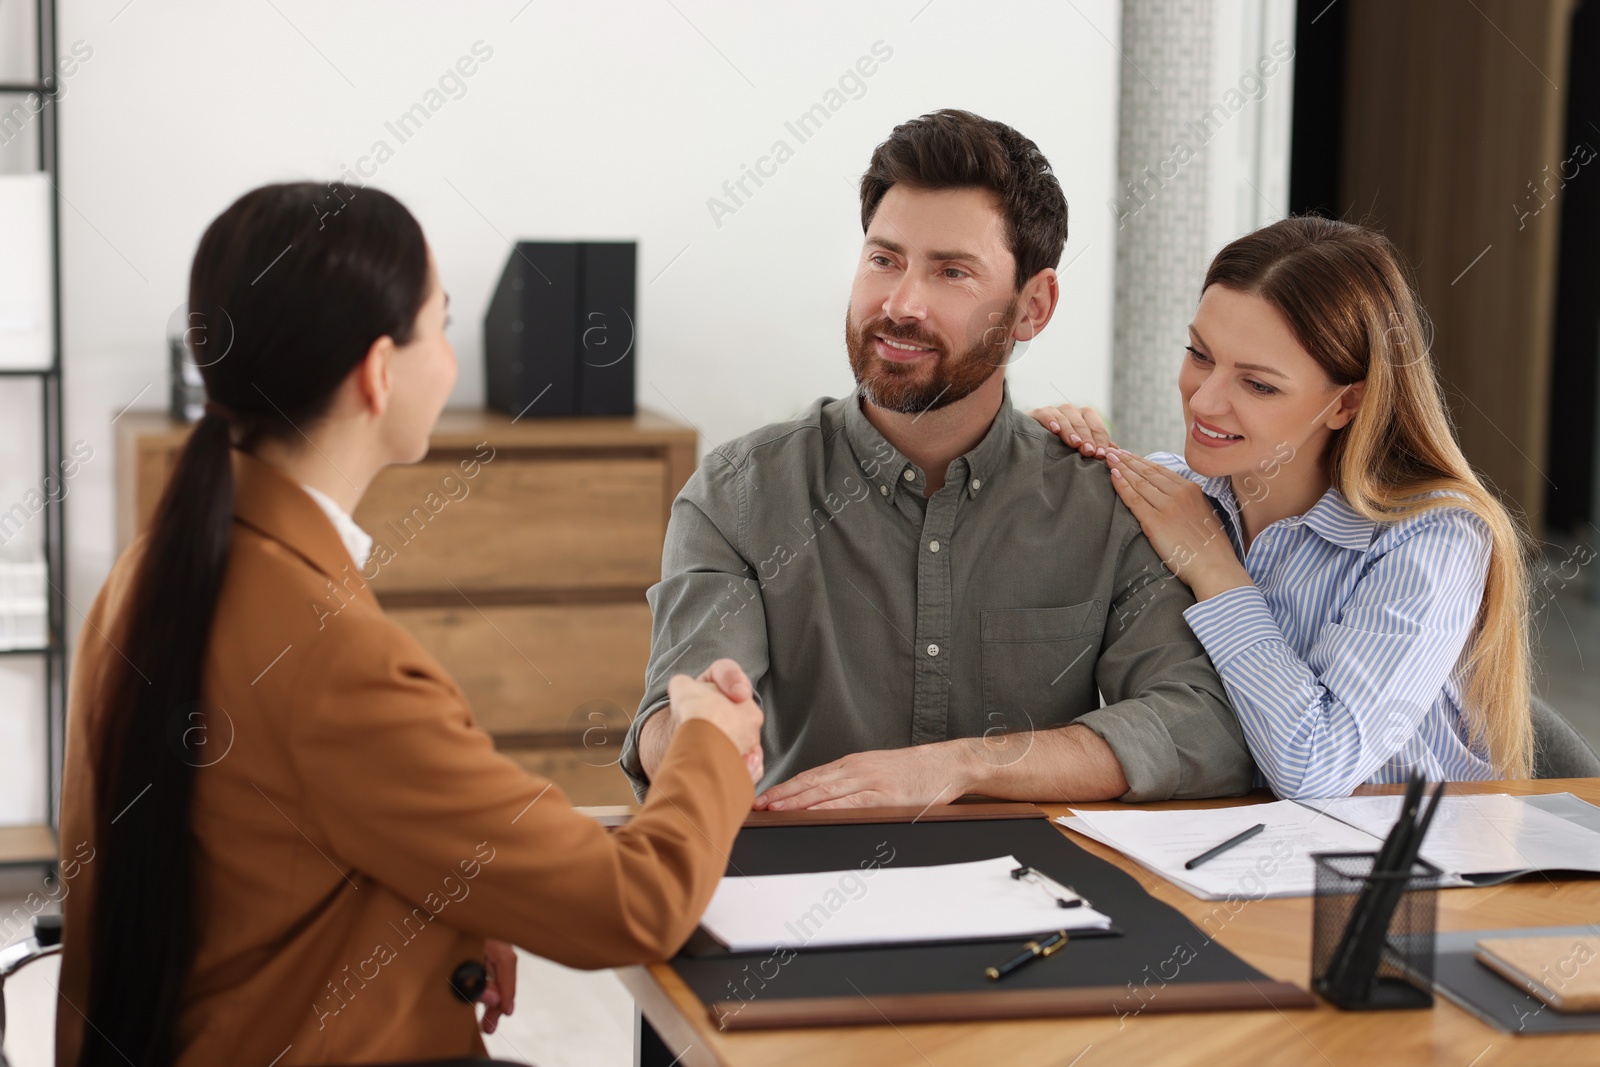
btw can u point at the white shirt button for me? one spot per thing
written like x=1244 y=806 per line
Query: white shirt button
x=884 y=489
x=933 y=650
x=910 y=474
x=933 y=546
x=977 y=484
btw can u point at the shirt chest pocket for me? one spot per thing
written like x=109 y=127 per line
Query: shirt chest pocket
x=1038 y=665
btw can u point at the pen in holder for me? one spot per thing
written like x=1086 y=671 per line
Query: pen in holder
x=1381 y=966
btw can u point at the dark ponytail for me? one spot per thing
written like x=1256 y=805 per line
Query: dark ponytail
x=290 y=287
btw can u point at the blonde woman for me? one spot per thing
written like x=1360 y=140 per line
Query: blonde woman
x=1360 y=592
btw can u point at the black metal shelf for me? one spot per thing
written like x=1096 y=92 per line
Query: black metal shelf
x=54 y=652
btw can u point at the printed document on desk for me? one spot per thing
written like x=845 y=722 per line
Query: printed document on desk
x=1485 y=839
x=901 y=905
x=1477 y=839
x=1274 y=863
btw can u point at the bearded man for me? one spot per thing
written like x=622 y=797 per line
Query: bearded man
x=931 y=595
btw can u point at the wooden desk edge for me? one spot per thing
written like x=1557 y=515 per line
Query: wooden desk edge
x=648 y=987
x=999 y=1004
x=616 y=815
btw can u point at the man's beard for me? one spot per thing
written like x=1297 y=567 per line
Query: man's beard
x=928 y=384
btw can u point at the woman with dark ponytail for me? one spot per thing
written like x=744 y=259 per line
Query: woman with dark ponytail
x=296 y=837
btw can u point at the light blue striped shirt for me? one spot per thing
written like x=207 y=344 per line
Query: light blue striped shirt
x=1344 y=659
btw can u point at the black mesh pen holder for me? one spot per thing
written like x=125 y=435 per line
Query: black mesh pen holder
x=1372 y=933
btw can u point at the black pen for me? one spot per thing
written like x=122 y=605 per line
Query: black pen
x=1213 y=853
x=1031 y=951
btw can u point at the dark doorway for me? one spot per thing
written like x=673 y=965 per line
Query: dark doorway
x=1314 y=148
x=1575 y=367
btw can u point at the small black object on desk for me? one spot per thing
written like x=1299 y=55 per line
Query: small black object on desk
x=1236 y=839
x=1047 y=946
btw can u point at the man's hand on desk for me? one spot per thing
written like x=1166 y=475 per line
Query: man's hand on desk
x=724 y=696
x=1059 y=764
x=897 y=777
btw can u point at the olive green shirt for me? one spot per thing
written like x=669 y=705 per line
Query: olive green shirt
x=870 y=617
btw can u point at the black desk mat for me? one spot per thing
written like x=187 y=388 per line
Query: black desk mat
x=1161 y=961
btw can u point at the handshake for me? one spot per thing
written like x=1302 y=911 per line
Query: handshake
x=724 y=697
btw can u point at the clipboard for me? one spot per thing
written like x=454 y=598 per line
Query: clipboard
x=994 y=900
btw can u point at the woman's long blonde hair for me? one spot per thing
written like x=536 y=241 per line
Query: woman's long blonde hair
x=1344 y=293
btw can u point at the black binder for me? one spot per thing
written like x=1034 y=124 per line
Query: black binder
x=559 y=334
x=606 y=328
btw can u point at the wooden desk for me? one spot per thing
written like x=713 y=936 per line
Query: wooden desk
x=1272 y=935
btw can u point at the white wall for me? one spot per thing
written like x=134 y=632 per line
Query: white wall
x=589 y=120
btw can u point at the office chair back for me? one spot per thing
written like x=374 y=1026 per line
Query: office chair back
x=1559 y=751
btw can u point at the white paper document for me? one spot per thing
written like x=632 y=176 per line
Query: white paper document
x=1474 y=840
x=888 y=905
x=1274 y=863
x=1480 y=840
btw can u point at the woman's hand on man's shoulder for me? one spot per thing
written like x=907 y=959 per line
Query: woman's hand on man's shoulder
x=1080 y=428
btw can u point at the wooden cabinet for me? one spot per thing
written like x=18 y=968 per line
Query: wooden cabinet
x=526 y=580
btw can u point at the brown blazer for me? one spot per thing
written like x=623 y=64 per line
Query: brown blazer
x=358 y=835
